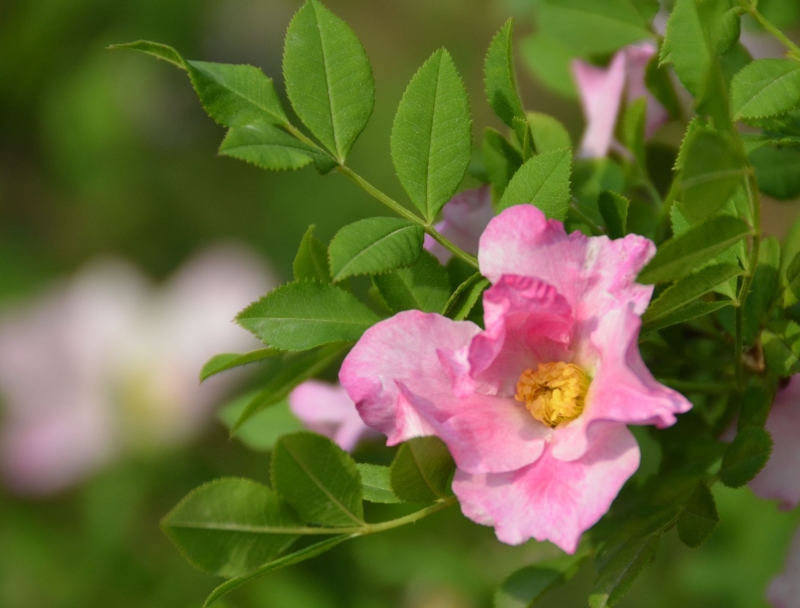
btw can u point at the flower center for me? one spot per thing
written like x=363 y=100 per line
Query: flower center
x=554 y=393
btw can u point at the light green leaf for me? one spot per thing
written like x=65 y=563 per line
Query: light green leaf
x=688 y=289
x=686 y=46
x=318 y=479
x=305 y=314
x=525 y=586
x=230 y=526
x=432 y=135
x=766 y=87
x=154 y=49
x=614 y=209
x=594 y=27
x=226 y=361
x=549 y=61
x=286 y=560
x=271 y=148
x=548 y=133
x=311 y=261
x=782 y=348
x=501 y=158
x=328 y=77
x=465 y=297
x=293 y=369
x=746 y=456
x=262 y=430
x=376 y=484
x=542 y=181
x=682 y=254
x=699 y=518
x=423 y=286
x=500 y=78
x=374 y=245
x=422 y=470
x=694 y=310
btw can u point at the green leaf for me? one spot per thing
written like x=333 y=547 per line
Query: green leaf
x=542 y=181
x=694 y=310
x=230 y=526
x=746 y=456
x=634 y=122
x=376 y=484
x=548 y=133
x=231 y=94
x=423 y=286
x=268 y=147
x=287 y=560
x=793 y=276
x=763 y=289
x=500 y=78
x=311 y=261
x=374 y=245
x=594 y=27
x=699 y=518
x=614 y=209
x=686 y=46
x=712 y=171
x=328 y=77
x=620 y=569
x=689 y=288
x=226 y=361
x=659 y=83
x=262 y=430
x=549 y=60
x=422 y=470
x=305 y=314
x=766 y=87
x=465 y=297
x=756 y=406
x=782 y=348
x=777 y=171
x=525 y=586
x=432 y=135
x=682 y=254
x=318 y=479
x=501 y=158
x=294 y=369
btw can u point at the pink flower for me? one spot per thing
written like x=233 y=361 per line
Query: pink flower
x=601 y=91
x=328 y=410
x=534 y=407
x=784 y=590
x=466 y=216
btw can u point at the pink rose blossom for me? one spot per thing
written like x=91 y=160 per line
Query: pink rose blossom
x=328 y=410
x=466 y=216
x=601 y=91
x=784 y=590
x=562 y=322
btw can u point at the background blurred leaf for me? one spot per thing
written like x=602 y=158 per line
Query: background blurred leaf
x=226 y=361
x=525 y=586
x=699 y=518
x=422 y=470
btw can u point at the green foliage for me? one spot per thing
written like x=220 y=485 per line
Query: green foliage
x=525 y=586
x=763 y=290
x=500 y=78
x=756 y=406
x=318 y=479
x=376 y=483
x=549 y=60
x=746 y=456
x=231 y=526
x=632 y=131
x=781 y=344
x=432 y=135
x=311 y=261
x=614 y=209
x=268 y=147
x=465 y=297
x=691 y=311
x=502 y=160
x=618 y=568
x=328 y=77
x=423 y=286
x=682 y=254
x=766 y=87
x=262 y=430
x=226 y=361
x=542 y=181
x=305 y=314
x=374 y=245
x=548 y=133
x=699 y=518
x=777 y=171
x=422 y=470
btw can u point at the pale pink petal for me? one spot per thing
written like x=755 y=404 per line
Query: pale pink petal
x=465 y=218
x=784 y=590
x=600 y=91
x=399 y=377
x=551 y=500
x=780 y=479
x=637 y=56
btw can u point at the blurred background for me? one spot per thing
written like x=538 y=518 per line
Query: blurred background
x=126 y=245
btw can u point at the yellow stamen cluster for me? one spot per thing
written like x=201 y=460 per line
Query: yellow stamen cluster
x=554 y=393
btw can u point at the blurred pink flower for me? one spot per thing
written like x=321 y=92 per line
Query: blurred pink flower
x=533 y=408
x=466 y=216
x=784 y=590
x=328 y=410
x=601 y=91
x=105 y=363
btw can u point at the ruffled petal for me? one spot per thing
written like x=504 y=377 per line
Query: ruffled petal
x=401 y=383
x=779 y=479
x=465 y=218
x=550 y=499
x=600 y=91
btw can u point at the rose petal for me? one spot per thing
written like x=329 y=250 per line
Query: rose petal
x=465 y=218
x=784 y=590
x=600 y=91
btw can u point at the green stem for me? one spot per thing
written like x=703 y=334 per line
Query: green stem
x=747 y=282
x=765 y=23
